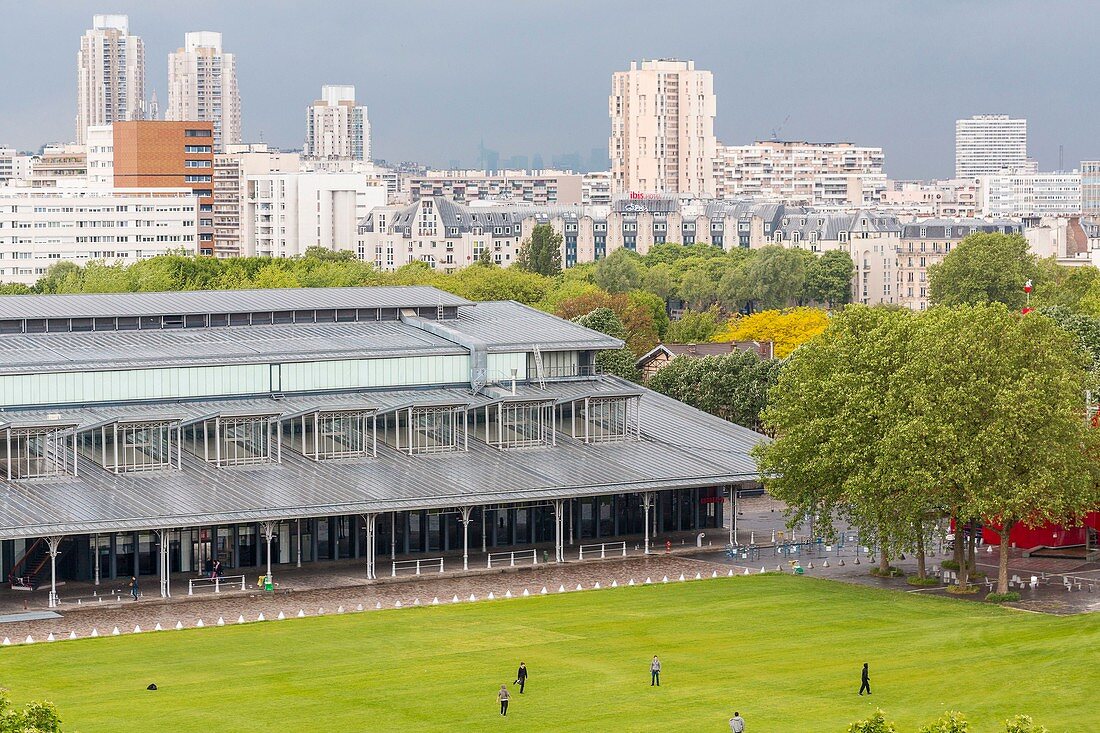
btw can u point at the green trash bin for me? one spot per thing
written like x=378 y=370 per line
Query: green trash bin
x=269 y=585
x=798 y=570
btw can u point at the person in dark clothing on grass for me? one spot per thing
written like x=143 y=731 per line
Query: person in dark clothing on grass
x=866 y=680
x=521 y=677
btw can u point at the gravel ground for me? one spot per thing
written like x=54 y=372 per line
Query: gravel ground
x=189 y=610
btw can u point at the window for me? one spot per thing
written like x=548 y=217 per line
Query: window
x=197 y=133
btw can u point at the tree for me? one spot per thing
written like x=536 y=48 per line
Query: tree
x=787 y=330
x=694 y=327
x=36 y=717
x=619 y=272
x=620 y=362
x=541 y=252
x=733 y=386
x=1059 y=285
x=635 y=315
x=830 y=411
x=657 y=309
x=996 y=401
x=775 y=277
x=829 y=278
x=698 y=289
x=1023 y=724
x=659 y=281
x=1084 y=327
x=984 y=268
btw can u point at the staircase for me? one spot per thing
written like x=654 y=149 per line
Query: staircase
x=540 y=370
x=28 y=571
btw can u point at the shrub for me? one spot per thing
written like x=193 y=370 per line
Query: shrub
x=1010 y=597
x=950 y=565
x=916 y=580
x=1023 y=724
x=891 y=572
x=951 y=722
x=875 y=724
x=962 y=590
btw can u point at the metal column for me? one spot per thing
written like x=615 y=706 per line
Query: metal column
x=268 y=529
x=647 y=501
x=465 y=537
x=559 y=531
x=52 y=544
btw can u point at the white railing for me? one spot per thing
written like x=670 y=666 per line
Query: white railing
x=511 y=557
x=604 y=548
x=230 y=581
x=417 y=565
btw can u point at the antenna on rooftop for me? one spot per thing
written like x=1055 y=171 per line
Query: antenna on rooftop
x=1060 y=167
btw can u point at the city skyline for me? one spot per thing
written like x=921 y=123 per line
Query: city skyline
x=435 y=99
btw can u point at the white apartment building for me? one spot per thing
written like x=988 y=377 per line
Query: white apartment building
x=662 y=128
x=337 y=128
x=40 y=227
x=110 y=70
x=596 y=188
x=101 y=156
x=202 y=85
x=953 y=198
x=231 y=171
x=797 y=172
x=1010 y=194
x=989 y=144
x=287 y=213
x=544 y=187
x=7 y=163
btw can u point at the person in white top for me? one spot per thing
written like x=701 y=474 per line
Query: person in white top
x=737 y=723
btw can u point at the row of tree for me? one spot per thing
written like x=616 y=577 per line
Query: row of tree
x=950 y=722
x=893 y=421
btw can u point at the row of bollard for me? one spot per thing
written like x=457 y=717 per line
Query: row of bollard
x=115 y=631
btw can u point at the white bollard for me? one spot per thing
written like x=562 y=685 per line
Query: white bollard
x=416 y=602
x=30 y=639
x=779 y=568
x=95 y=632
x=158 y=627
x=115 y=631
x=199 y=624
x=51 y=637
x=7 y=641
x=746 y=571
x=454 y=600
x=261 y=617
x=543 y=591
x=579 y=587
x=508 y=594
x=72 y=634
x=596 y=586
x=137 y=629
x=989 y=549
x=714 y=574
x=561 y=589
x=321 y=611
x=762 y=570
x=631 y=582
x=841 y=563
x=221 y=621
x=397 y=604
x=647 y=581
x=664 y=579
x=491 y=596
x=698 y=576
x=301 y=613
x=682 y=577
x=359 y=607
x=810 y=565
x=435 y=601
x=526 y=592
x=825 y=564
x=340 y=609
x=378 y=605
x=240 y=619
x=472 y=597
x=614 y=584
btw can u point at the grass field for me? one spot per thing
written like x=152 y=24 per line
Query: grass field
x=784 y=651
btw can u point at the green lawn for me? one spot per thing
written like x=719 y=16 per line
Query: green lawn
x=784 y=651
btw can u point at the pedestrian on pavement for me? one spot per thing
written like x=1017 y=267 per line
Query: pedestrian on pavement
x=521 y=677
x=737 y=723
x=866 y=681
x=134 y=590
x=655 y=672
x=216 y=571
x=503 y=697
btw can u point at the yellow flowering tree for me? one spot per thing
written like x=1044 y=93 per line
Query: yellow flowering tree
x=788 y=329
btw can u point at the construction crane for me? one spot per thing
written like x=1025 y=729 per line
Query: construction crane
x=779 y=129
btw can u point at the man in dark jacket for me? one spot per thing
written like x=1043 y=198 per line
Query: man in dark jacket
x=866 y=681
x=521 y=677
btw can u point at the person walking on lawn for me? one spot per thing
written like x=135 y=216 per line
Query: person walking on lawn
x=655 y=672
x=503 y=697
x=737 y=723
x=866 y=680
x=521 y=677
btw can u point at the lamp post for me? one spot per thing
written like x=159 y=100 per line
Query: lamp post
x=1027 y=295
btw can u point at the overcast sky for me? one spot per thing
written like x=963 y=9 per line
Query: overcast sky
x=533 y=77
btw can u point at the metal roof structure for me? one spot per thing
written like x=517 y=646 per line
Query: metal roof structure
x=194 y=302
x=680 y=447
x=503 y=325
